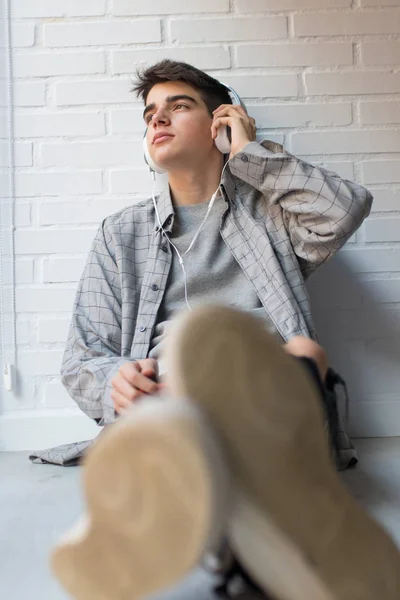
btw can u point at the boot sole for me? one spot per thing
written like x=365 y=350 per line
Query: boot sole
x=296 y=529
x=151 y=510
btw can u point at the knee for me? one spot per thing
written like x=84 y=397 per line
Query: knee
x=303 y=346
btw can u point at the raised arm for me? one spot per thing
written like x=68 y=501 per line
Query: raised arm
x=320 y=210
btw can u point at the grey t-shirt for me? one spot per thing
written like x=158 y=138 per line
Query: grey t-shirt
x=213 y=274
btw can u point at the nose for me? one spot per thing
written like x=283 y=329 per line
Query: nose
x=159 y=117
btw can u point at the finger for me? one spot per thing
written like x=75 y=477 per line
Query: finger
x=144 y=384
x=149 y=368
x=131 y=373
x=122 y=386
x=148 y=363
x=225 y=107
x=129 y=369
x=219 y=121
x=231 y=110
x=121 y=404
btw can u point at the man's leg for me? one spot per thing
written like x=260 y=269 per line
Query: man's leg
x=154 y=496
x=157 y=489
x=295 y=528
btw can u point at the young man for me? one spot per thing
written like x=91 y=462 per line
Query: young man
x=274 y=221
x=251 y=410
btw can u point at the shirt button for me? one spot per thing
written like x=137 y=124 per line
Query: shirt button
x=245 y=158
x=155 y=287
x=164 y=248
x=142 y=329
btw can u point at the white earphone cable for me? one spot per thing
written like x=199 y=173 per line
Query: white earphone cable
x=180 y=258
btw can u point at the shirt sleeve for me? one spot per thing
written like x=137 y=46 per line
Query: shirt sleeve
x=320 y=210
x=93 y=351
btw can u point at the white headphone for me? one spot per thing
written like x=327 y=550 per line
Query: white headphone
x=223 y=144
x=221 y=141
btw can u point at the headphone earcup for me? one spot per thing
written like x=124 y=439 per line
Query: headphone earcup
x=152 y=165
x=222 y=141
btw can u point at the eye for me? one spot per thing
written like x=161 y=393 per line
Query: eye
x=149 y=117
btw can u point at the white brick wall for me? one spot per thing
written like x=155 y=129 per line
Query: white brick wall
x=322 y=75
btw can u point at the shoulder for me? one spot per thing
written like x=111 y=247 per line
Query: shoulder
x=128 y=218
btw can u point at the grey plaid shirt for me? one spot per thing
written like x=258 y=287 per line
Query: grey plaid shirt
x=284 y=218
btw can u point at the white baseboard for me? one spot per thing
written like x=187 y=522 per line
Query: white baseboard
x=34 y=430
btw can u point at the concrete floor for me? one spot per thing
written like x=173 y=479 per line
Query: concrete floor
x=39 y=502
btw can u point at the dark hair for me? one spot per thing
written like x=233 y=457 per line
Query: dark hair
x=212 y=92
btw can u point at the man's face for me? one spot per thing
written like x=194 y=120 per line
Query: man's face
x=177 y=109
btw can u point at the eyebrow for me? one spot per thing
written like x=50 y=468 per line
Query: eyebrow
x=169 y=100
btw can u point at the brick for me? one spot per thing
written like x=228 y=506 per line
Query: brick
x=45 y=64
x=29 y=94
x=124 y=61
x=278 y=138
x=63 y=270
x=385 y=200
x=24 y=271
x=224 y=30
x=345 y=293
x=22 y=154
x=380 y=112
x=379 y=2
x=345 y=142
x=65 y=213
x=127 y=120
x=138 y=7
x=301 y=115
x=382 y=291
x=263 y=86
x=295 y=55
x=47 y=299
x=58 y=124
x=53 y=330
x=22 y=332
x=124 y=181
x=104 y=153
x=372 y=260
x=101 y=33
x=249 y=6
x=76 y=93
x=23 y=35
x=56 y=396
x=382 y=230
x=345 y=23
x=381 y=171
x=22 y=214
x=49 y=183
x=380 y=53
x=40 y=363
x=20 y=9
x=343 y=168
x=364 y=82
x=53 y=241
x=89 y=8
x=361 y=324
